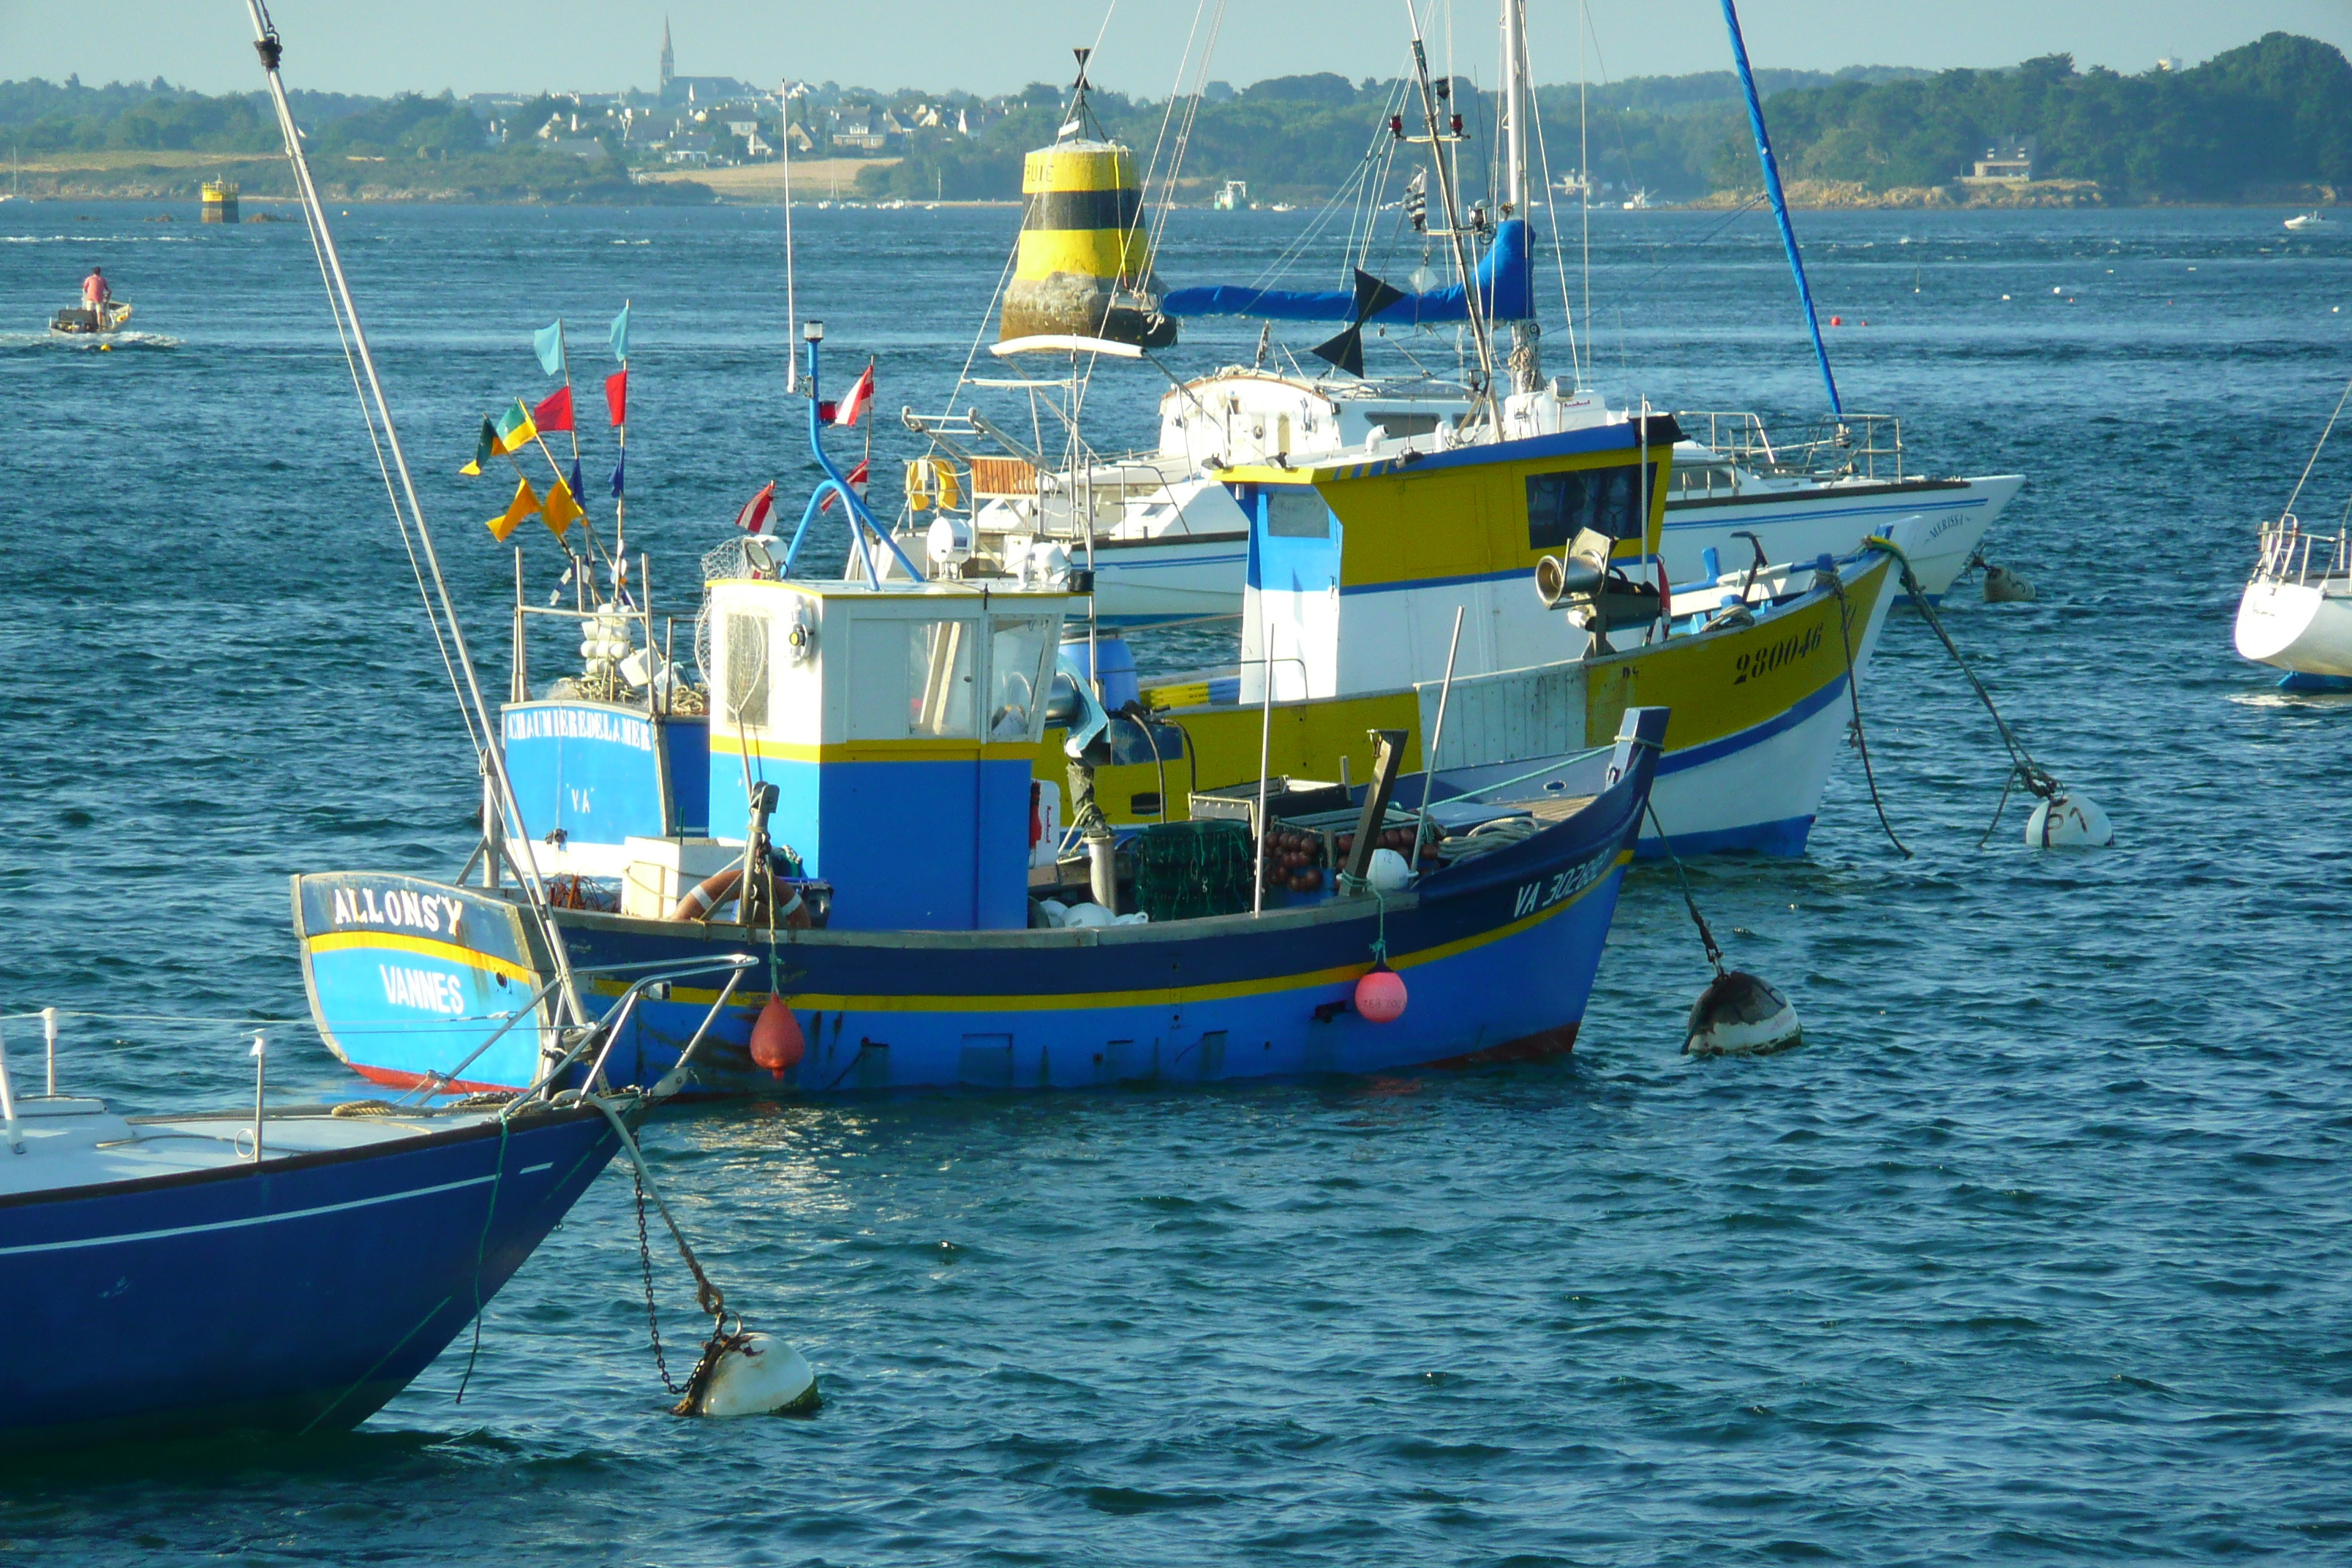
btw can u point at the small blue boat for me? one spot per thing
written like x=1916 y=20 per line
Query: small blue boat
x=183 y=1274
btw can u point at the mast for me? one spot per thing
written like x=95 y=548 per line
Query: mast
x=1438 y=137
x=1527 y=336
x=1779 y=202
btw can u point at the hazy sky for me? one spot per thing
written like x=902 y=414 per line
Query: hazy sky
x=992 y=46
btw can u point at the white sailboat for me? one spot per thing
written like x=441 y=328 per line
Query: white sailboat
x=1167 y=539
x=2296 y=612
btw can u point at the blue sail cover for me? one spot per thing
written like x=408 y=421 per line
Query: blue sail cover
x=1504 y=276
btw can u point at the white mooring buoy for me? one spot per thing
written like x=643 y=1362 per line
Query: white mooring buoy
x=2068 y=821
x=756 y=1375
x=1740 y=1015
x=2003 y=586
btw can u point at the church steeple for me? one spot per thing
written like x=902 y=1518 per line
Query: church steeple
x=668 y=61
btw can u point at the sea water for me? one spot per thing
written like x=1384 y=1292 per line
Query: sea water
x=2037 y=1250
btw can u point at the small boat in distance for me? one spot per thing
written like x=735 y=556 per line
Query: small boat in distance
x=82 y=320
x=2313 y=220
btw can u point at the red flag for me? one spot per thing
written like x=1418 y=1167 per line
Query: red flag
x=555 y=414
x=754 y=515
x=846 y=412
x=856 y=479
x=617 y=395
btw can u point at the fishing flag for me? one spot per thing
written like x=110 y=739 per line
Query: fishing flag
x=845 y=413
x=754 y=515
x=549 y=342
x=617 y=395
x=515 y=429
x=855 y=478
x=484 y=449
x=526 y=502
x=575 y=474
x=618 y=464
x=621 y=334
x=561 y=511
x=555 y=412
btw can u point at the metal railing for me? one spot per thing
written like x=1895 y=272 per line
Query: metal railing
x=1854 y=446
x=2286 y=552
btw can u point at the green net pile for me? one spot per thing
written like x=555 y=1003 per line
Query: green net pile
x=1187 y=869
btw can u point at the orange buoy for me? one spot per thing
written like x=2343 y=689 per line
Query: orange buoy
x=1380 y=994
x=1837 y=320
x=776 y=1042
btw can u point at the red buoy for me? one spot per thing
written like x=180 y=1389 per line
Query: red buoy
x=776 y=1042
x=1380 y=994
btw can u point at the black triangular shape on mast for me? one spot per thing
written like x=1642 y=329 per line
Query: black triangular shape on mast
x=1346 y=351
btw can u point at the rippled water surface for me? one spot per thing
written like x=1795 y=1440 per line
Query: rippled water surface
x=2038 y=1249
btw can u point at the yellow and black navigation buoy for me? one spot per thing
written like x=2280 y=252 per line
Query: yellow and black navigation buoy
x=219 y=200
x=1085 y=263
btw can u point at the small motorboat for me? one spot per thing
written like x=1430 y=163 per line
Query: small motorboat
x=2313 y=220
x=81 y=321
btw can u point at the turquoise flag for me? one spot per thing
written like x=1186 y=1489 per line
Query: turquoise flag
x=549 y=342
x=621 y=335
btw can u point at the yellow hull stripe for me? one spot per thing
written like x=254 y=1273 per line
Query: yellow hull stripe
x=1174 y=996
x=423 y=947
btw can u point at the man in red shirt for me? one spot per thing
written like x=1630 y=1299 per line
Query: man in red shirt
x=96 y=295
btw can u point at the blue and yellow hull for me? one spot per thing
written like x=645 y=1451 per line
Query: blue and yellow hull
x=1497 y=954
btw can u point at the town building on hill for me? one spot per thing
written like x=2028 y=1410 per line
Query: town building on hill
x=696 y=90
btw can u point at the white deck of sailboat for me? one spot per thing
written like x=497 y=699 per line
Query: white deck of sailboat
x=70 y=1142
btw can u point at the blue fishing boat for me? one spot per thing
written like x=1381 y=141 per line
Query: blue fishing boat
x=287 y=1272
x=868 y=835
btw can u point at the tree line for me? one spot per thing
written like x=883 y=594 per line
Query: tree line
x=2272 y=120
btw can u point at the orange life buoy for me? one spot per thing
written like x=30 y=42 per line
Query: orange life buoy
x=708 y=894
x=720 y=886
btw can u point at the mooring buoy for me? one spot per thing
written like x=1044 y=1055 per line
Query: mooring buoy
x=754 y=1375
x=2070 y=820
x=2004 y=586
x=1740 y=1015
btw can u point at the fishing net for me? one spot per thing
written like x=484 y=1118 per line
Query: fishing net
x=1185 y=870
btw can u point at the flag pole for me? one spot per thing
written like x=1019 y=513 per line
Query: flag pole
x=621 y=465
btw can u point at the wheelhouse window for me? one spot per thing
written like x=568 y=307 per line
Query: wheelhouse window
x=1020 y=666
x=1607 y=501
x=1297 y=512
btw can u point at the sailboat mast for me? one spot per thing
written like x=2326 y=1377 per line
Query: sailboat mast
x=1515 y=140
x=1527 y=335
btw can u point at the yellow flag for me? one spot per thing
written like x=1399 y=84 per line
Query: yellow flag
x=525 y=503
x=560 y=509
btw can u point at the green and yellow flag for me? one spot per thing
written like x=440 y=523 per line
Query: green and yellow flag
x=561 y=509
x=515 y=429
x=526 y=502
x=484 y=449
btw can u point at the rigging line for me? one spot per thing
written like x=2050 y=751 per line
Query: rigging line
x=1192 y=117
x=267 y=44
x=400 y=519
x=2314 y=459
x=1551 y=215
x=1584 y=171
x=1167 y=118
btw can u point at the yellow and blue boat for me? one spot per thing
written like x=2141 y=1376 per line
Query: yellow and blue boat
x=1357 y=567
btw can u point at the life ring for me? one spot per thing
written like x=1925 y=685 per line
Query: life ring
x=708 y=894
x=720 y=886
x=931 y=482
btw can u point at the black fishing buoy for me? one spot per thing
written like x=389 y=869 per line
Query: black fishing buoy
x=1740 y=1015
